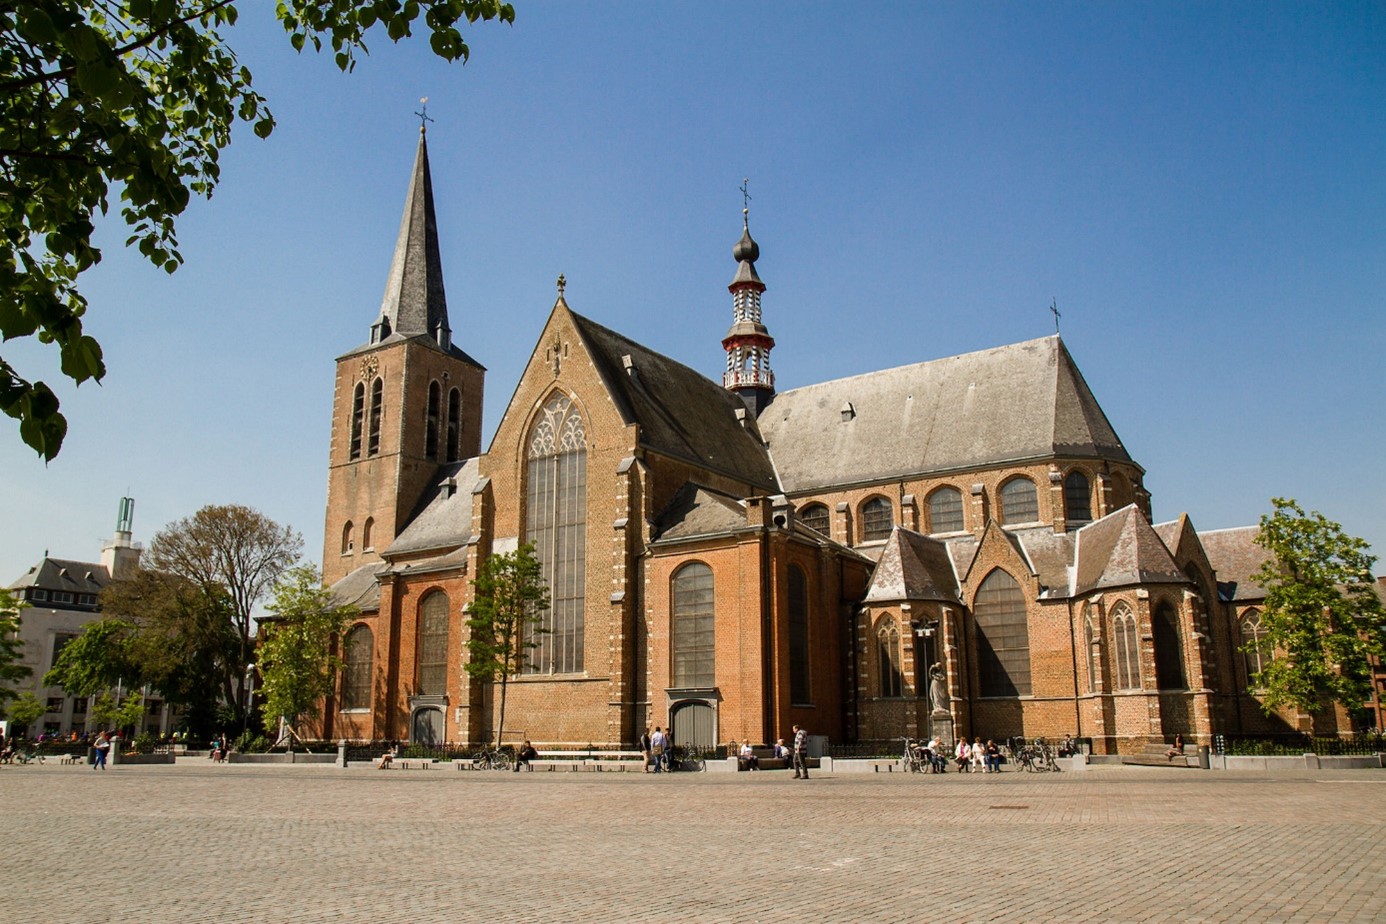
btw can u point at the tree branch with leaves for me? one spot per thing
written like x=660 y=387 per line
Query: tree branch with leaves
x=136 y=97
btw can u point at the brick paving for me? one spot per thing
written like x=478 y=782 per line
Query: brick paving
x=196 y=842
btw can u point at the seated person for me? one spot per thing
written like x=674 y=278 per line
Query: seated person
x=1176 y=749
x=993 y=757
x=781 y=752
x=749 y=760
x=387 y=759
x=524 y=756
x=938 y=761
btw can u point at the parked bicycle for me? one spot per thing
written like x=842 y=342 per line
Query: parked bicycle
x=492 y=759
x=682 y=758
x=1035 y=757
x=916 y=756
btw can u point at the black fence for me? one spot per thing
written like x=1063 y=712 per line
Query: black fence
x=1293 y=745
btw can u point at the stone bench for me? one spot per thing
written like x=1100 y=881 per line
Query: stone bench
x=597 y=760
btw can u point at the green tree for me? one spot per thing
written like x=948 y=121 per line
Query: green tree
x=232 y=551
x=122 y=714
x=1321 y=613
x=97 y=660
x=25 y=711
x=139 y=96
x=182 y=639
x=298 y=660
x=12 y=668
x=506 y=610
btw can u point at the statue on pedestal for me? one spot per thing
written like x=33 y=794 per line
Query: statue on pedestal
x=938 y=689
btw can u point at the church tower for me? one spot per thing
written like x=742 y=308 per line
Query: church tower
x=406 y=403
x=748 y=343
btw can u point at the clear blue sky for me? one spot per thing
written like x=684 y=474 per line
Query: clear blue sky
x=1201 y=186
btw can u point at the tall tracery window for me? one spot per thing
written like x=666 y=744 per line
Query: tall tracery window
x=377 y=399
x=800 y=690
x=1169 y=649
x=431 y=426
x=454 y=445
x=946 y=511
x=433 y=644
x=1126 y=649
x=888 y=659
x=694 y=649
x=816 y=517
x=356 y=682
x=1003 y=637
x=1019 y=501
x=1090 y=643
x=358 y=413
x=556 y=522
x=1257 y=653
x=1077 y=498
x=877 y=518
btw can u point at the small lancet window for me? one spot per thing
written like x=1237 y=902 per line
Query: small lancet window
x=454 y=441
x=431 y=430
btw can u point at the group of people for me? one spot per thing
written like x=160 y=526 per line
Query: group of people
x=796 y=757
x=657 y=748
x=968 y=756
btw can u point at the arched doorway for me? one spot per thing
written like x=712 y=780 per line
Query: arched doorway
x=694 y=724
x=427 y=727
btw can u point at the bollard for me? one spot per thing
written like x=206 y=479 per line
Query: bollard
x=341 y=753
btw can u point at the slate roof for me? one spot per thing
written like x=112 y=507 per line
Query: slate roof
x=443 y=518
x=1120 y=550
x=697 y=511
x=913 y=566
x=1050 y=555
x=78 y=577
x=359 y=588
x=1004 y=405
x=1235 y=557
x=680 y=412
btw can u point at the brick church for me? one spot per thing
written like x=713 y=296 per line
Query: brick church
x=727 y=559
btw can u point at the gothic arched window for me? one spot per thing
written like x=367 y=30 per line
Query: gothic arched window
x=1077 y=498
x=556 y=522
x=431 y=425
x=356 y=682
x=1126 y=649
x=367 y=538
x=377 y=399
x=1169 y=649
x=800 y=690
x=946 y=511
x=1090 y=643
x=1003 y=637
x=1257 y=652
x=348 y=543
x=454 y=443
x=888 y=659
x=1019 y=501
x=877 y=518
x=816 y=517
x=693 y=628
x=358 y=413
x=433 y=644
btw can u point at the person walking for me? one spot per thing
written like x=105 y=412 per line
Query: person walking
x=659 y=747
x=103 y=745
x=800 y=753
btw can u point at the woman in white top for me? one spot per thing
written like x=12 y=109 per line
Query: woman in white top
x=963 y=754
x=979 y=756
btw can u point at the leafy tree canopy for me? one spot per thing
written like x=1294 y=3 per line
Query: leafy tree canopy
x=12 y=666
x=98 y=659
x=507 y=607
x=298 y=664
x=25 y=711
x=233 y=551
x=1322 y=614
x=138 y=97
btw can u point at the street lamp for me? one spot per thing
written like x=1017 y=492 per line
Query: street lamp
x=248 y=681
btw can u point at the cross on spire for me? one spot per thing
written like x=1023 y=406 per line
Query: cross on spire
x=745 y=202
x=1054 y=309
x=424 y=117
x=562 y=284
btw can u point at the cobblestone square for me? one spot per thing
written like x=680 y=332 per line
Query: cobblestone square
x=196 y=842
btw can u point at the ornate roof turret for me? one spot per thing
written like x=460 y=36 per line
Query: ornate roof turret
x=748 y=342
x=414 y=301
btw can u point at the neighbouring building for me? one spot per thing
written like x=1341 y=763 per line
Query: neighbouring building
x=727 y=559
x=63 y=598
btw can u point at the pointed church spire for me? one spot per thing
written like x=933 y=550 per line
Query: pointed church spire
x=748 y=343
x=414 y=301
